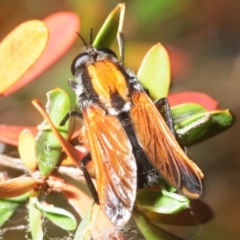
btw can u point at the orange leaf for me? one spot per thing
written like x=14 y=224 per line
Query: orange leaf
x=62 y=29
x=20 y=50
x=17 y=186
x=10 y=134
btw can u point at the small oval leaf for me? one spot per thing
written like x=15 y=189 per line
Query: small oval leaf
x=154 y=72
x=20 y=50
x=197 y=213
x=48 y=149
x=183 y=111
x=26 y=149
x=109 y=29
x=35 y=220
x=6 y=210
x=74 y=154
x=19 y=199
x=58 y=216
x=17 y=186
x=203 y=126
x=59 y=42
x=156 y=201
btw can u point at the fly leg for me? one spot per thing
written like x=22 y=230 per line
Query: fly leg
x=86 y=159
x=70 y=114
x=164 y=108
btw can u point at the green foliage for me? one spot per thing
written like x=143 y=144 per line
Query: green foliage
x=48 y=148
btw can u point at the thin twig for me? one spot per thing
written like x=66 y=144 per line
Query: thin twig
x=4 y=230
x=17 y=164
x=14 y=163
x=72 y=172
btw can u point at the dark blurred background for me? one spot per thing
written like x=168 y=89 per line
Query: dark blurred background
x=203 y=38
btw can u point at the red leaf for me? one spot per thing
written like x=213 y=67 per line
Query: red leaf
x=10 y=134
x=193 y=97
x=62 y=28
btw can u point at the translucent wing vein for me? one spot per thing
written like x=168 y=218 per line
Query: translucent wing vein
x=162 y=149
x=116 y=170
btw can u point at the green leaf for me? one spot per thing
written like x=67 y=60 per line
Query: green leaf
x=35 y=220
x=197 y=213
x=58 y=216
x=154 y=72
x=184 y=111
x=81 y=232
x=18 y=199
x=48 y=149
x=203 y=126
x=150 y=231
x=161 y=201
x=6 y=210
x=108 y=31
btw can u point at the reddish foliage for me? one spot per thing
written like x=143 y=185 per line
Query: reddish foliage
x=193 y=97
x=59 y=43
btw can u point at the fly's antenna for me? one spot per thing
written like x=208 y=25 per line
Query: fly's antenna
x=91 y=36
x=83 y=40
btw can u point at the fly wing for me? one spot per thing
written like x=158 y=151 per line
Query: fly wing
x=162 y=149
x=116 y=171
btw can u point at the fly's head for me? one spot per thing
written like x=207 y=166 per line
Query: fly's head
x=89 y=56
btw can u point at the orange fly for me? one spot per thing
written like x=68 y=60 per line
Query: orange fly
x=130 y=143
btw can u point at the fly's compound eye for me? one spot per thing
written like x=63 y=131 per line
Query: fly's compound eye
x=107 y=51
x=79 y=62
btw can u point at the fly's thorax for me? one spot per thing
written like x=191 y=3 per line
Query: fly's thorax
x=105 y=83
x=102 y=80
